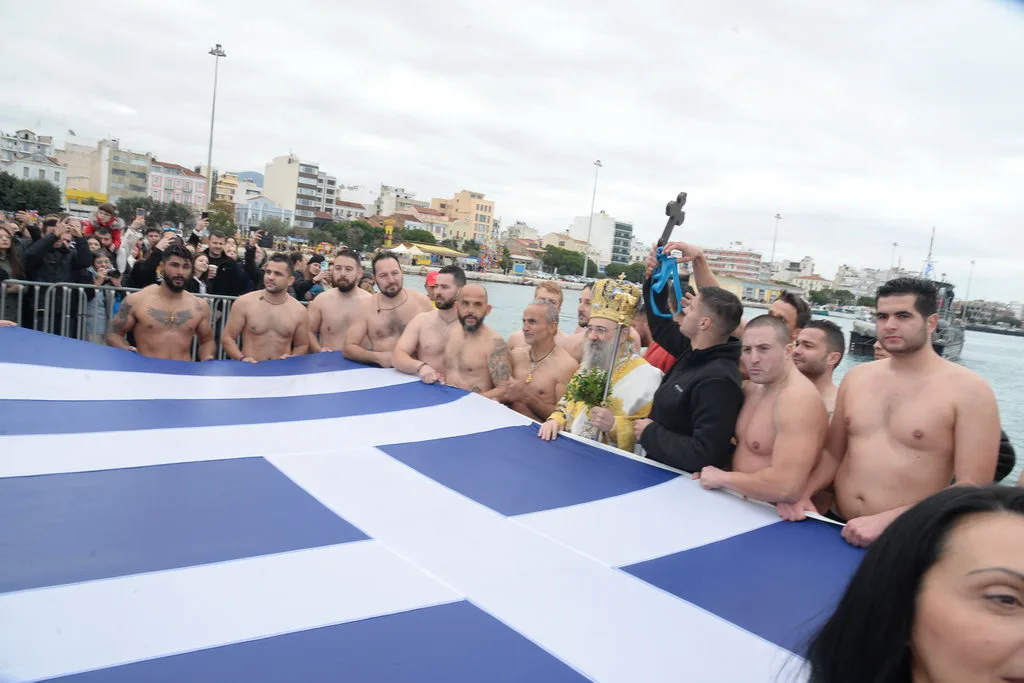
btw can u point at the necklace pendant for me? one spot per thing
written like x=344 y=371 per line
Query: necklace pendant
x=529 y=378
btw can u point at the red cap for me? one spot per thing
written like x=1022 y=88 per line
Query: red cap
x=431 y=278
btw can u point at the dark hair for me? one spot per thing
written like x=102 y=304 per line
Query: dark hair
x=380 y=256
x=98 y=255
x=457 y=273
x=218 y=234
x=281 y=258
x=834 y=336
x=151 y=228
x=103 y=230
x=17 y=270
x=924 y=291
x=349 y=253
x=50 y=221
x=108 y=207
x=803 y=310
x=589 y=285
x=777 y=324
x=868 y=636
x=295 y=257
x=723 y=307
x=176 y=250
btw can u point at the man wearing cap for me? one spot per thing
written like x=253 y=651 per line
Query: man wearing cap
x=633 y=380
x=431 y=286
x=313 y=279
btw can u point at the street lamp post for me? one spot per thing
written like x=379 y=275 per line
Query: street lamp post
x=967 y=294
x=217 y=51
x=775 y=237
x=590 y=223
x=892 y=261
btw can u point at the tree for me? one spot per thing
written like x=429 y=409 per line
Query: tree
x=506 y=259
x=451 y=243
x=635 y=272
x=156 y=212
x=566 y=261
x=471 y=248
x=222 y=217
x=38 y=195
x=866 y=301
x=278 y=227
x=317 y=236
x=417 y=235
x=844 y=297
x=820 y=297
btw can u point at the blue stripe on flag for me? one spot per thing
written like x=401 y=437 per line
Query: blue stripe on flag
x=77 y=417
x=780 y=582
x=95 y=525
x=453 y=642
x=36 y=348
x=512 y=471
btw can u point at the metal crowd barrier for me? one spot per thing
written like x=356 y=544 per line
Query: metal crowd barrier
x=61 y=308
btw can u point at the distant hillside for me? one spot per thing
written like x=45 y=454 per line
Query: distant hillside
x=250 y=175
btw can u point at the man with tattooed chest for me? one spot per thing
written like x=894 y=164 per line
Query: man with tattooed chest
x=272 y=324
x=164 y=317
x=379 y=320
x=475 y=356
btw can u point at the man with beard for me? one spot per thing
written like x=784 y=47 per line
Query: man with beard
x=380 y=319
x=420 y=350
x=230 y=278
x=476 y=357
x=782 y=426
x=574 y=342
x=633 y=380
x=331 y=313
x=904 y=427
x=164 y=317
x=817 y=351
x=541 y=369
x=271 y=323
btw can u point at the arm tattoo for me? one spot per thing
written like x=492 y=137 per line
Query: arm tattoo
x=497 y=362
x=170 y=318
x=120 y=321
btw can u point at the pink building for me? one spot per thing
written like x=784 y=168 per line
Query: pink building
x=174 y=183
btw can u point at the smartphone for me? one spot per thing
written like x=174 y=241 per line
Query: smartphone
x=267 y=241
x=140 y=213
x=204 y=214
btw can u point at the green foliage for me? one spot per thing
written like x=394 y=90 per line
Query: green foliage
x=317 y=236
x=567 y=262
x=820 y=297
x=635 y=272
x=37 y=194
x=156 y=212
x=417 y=235
x=866 y=301
x=278 y=227
x=506 y=259
x=451 y=243
x=471 y=248
x=587 y=387
x=840 y=297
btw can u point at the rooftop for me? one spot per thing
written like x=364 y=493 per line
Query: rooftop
x=180 y=169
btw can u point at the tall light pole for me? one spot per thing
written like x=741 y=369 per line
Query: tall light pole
x=892 y=260
x=775 y=237
x=217 y=51
x=967 y=296
x=590 y=223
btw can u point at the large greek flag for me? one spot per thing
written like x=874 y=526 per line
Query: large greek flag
x=317 y=520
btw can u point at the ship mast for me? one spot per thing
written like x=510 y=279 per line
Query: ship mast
x=928 y=264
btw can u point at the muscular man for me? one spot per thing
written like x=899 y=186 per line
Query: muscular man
x=420 y=349
x=550 y=292
x=782 y=426
x=379 y=320
x=541 y=369
x=164 y=317
x=476 y=357
x=272 y=324
x=904 y=427
x=792 y=310
x=817 y=351
x=331 y=313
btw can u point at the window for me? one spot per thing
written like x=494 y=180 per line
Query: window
x=24 y=171
x=158 y=181
x=155 y=194
x=188 y=186
x=177 y=183
x=42 y=174
x=118 y=171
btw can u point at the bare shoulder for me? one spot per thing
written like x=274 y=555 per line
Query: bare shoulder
x=420 y=300
x=519 y=354
x=360 y=293
x=564 y=358
x=799 y=397
x=516 y=339
x=498 y=342
x=865 y=371
x=965 y=384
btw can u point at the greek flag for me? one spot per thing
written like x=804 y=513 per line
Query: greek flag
x=317 y=520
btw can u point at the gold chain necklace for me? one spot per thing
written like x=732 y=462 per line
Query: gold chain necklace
x=535 y=363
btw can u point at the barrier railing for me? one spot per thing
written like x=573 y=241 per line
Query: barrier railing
x=67 y=310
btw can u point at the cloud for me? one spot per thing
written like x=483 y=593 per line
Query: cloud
x=862 y=123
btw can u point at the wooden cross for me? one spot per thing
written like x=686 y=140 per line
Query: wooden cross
x=676 y=216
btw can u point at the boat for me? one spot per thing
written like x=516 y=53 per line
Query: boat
x=820 y=310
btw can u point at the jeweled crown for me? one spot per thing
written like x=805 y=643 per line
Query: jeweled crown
x=615 y=300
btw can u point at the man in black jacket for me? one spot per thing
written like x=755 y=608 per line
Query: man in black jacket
x=230 y=279
x=693 y=416
x=61 y=254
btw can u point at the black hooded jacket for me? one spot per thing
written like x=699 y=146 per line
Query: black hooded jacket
x=695 y=409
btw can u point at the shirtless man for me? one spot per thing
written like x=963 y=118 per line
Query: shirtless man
x=273 y=325
x=420 y=349
x=541 y=369
x=476 y=357
x=792 y=310
x=550 y=292
x=380 y=319
x=817 y=351
x=164 y=317
x=904 y=427
x=331 y=312
x=782 y=426
x=574 y=342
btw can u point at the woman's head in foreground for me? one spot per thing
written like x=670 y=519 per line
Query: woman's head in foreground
x=938 y=598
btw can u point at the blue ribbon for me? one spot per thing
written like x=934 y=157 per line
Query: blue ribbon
x=667 y=271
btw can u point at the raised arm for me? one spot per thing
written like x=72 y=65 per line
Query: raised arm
x=976 y=439
x=122 y=324
x=500 y=369
x=402 y=357
x=354 y=350
x=300 y=340
x=233 y=328
x=702 y=275
x=207 y=343
x=801 y=424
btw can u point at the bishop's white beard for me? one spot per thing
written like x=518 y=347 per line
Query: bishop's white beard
x=597 y=353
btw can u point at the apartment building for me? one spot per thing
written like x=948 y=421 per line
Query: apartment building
x=300 y=187
x=562 y=240
x=28 y=156
x=473 y=209
x=174 y=183
x=106 y=168
x=610 y=239
x=736 y=261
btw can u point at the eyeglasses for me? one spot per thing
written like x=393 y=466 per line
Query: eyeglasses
x=599 y=331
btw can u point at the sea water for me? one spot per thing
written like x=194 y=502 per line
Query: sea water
x=997 y=358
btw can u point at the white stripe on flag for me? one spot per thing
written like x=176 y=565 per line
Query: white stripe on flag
x=48 y=454
x=607 y=624
x=80 y=627
x=43 y=383
x=653 y=522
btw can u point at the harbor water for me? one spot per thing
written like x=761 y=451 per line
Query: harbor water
x=997 y=358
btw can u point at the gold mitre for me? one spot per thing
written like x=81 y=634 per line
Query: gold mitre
x=615 y=300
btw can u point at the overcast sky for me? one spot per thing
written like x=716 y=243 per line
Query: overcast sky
x=862 y=123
